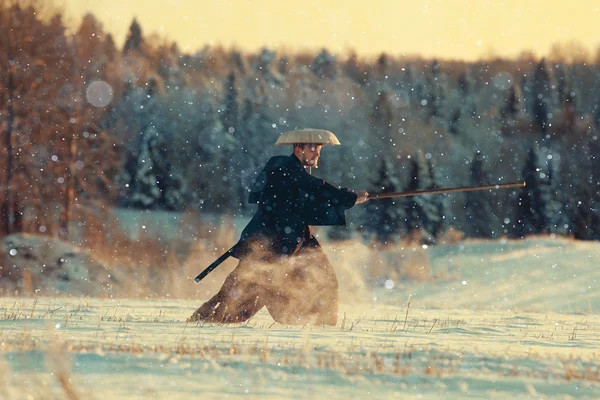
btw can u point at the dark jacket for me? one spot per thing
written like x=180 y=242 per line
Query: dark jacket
x=289 y=200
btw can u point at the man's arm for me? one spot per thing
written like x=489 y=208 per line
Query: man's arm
x=325 y=204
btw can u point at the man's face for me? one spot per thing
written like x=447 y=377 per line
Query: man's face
x=308 y=154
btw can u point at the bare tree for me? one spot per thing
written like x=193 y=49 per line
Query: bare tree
x=31 y=65
x=45 y=117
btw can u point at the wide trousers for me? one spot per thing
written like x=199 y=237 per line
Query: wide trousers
x=295 y=290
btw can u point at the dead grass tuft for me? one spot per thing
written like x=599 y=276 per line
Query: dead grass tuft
x=397 y=263
x=451 y=236
x=147 y=261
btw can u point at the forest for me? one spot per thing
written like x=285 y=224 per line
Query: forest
x=125 y=171
x=86 y=127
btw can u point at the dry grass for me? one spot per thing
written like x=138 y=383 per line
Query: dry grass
x=103 y=236
x=451 y=236
x=160 y=261
x=57 y=358
x=61 y=384
x=417 y=344
x=149 y=263
x=405 y=262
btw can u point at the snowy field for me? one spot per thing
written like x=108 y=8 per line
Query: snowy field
x=501 y=319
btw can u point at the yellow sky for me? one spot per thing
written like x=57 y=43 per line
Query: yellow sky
x=467 y=29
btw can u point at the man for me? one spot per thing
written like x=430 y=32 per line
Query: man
x=282 y=265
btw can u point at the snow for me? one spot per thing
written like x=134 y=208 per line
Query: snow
x=493 y=319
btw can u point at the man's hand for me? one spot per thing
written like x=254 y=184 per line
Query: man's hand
x=362 y=196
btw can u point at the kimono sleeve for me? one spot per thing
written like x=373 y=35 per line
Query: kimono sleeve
x=324 y=203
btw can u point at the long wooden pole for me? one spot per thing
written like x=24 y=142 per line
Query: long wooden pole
x=373 y=196
x=227 y=254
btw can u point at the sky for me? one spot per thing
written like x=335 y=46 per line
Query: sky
x=449 y=29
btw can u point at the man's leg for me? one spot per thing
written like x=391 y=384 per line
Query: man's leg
x=325 y=303
x=238 y=300
x=305 y=289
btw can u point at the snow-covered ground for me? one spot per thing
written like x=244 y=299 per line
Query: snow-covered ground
x=494 y=319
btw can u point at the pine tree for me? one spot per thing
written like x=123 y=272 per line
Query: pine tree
x=231 y=106
x=156 y=185
x=478 y=205
x=239 y=61
x=212 y=154
x=259 y=135
x=582 y=196
x=383 y=64
x=90 y=41
x=109 y=49
x=381 y=119
x=425 y=213
x=435 y=87
x=512 y=107
x=552 y=192
x=570 y=111
x=135 y=40
x=284 y=66
x=466 y=109
x=526 y=95
x=324 y=65
x=542 y=96
x=229 y=159
x=265 y=68
x=383 y=219
x=149 y=180
x=353 y=70
x=414 y=210
x=143 y=190
x=594 y=180
x=168 y=69
x=511 y=110
x=409 y=83
x=583 y=213
x=454 y=123
x=435 y=206
x=563 y=84
x=531 y=210
x=128 y=117
x=259 y=131
x=467 y=87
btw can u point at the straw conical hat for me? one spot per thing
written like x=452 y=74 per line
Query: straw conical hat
x=316 y=136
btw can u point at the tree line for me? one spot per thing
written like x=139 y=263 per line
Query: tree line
x=85 y=124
